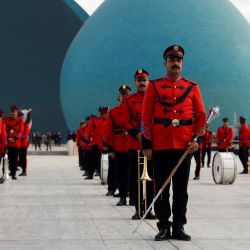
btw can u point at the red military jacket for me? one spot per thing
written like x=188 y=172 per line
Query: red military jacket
x=95 y=131
x=172 y=114
x=80 y=138
x=224 y=137
x=115 y=134
x=207 y=141
x=131 y=118
x=25 y=136
x=14 y=129
x=3 y=136
x=244 y=136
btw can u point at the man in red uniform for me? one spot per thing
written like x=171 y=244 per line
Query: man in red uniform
x=117 y=147
x=3 y=140
x=172 y=115
x=14 y=130
x=85 y=148
x=24 y=144
x=207 y=145
x=244 y=144
x=79 y=142
x=94 y=136
x=131 y=120
x=224 y=136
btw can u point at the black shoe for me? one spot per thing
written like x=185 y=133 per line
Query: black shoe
x=2 y=180
x=136 y=216
x=85 y=174
x=164 y=234
x=23 y=174
x=116 y=195
x=196 y=178
x=97 y=173
x=131 y=203
x=150 y=216
x=122 y=202
x=109 y=193
x=244 y=172
x=178 y=233
x=14 y=178
x=208 y=166
x=88 y=178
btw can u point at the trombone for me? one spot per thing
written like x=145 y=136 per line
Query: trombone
x=144 y=178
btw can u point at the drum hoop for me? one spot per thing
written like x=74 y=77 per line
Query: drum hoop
x=222 y=171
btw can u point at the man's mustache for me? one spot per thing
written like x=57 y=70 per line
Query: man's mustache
x=142 y=85
x=175 y=66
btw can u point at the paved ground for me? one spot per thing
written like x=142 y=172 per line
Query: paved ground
x=54 y=208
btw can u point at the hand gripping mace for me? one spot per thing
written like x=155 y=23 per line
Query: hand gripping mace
x=213 y=114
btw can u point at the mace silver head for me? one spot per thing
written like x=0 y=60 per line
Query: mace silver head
x=213 y=114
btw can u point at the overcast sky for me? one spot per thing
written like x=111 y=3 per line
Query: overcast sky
x=91 y=5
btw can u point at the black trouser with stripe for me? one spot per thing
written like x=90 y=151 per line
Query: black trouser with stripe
x=122 y=167
x=81 y=157
x=94 y=160
x=197 y=157
x=164 y=162
x=13 y=160
x=112 y=175
x=23 y=159
x=208 y=152
x=135 y=175
x=243 y=155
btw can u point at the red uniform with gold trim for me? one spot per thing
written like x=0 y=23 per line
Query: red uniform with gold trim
x=131 y=118
x=80 y=138
x=224 y=137
x=95 y=131
x=25 y=136
x=14 y=130
x=244 y=136
x=3 y=136
x=172 y=113
x=115 y=134
x=207 y=141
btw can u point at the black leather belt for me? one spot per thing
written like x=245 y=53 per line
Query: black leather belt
x=173 y=122
x=120 y=132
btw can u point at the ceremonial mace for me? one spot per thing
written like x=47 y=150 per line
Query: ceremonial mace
x=213 y=114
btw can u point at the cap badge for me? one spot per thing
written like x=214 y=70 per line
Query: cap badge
x=140 y=71
x=176 y=47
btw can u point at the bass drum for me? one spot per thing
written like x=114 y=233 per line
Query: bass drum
x=104 y=168
x=224 y=168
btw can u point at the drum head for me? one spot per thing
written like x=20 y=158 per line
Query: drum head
x=217 y=168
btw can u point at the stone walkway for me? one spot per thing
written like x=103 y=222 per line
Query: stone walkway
x=55 y=208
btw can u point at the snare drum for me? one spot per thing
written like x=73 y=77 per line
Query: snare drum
x=224 y=168
x=104 y=168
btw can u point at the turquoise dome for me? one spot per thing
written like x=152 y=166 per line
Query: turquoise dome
x=122 y=36
x=35 y=36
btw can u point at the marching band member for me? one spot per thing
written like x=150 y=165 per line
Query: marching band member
x=3 y=138
x=244 y=144
x=24 y=143
x=207 y=145
x=79 y=142
x=94 y=136
x=224 y=136
x=172 y=115
x=117 y=147
x=131 y=120
x=14 y=130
